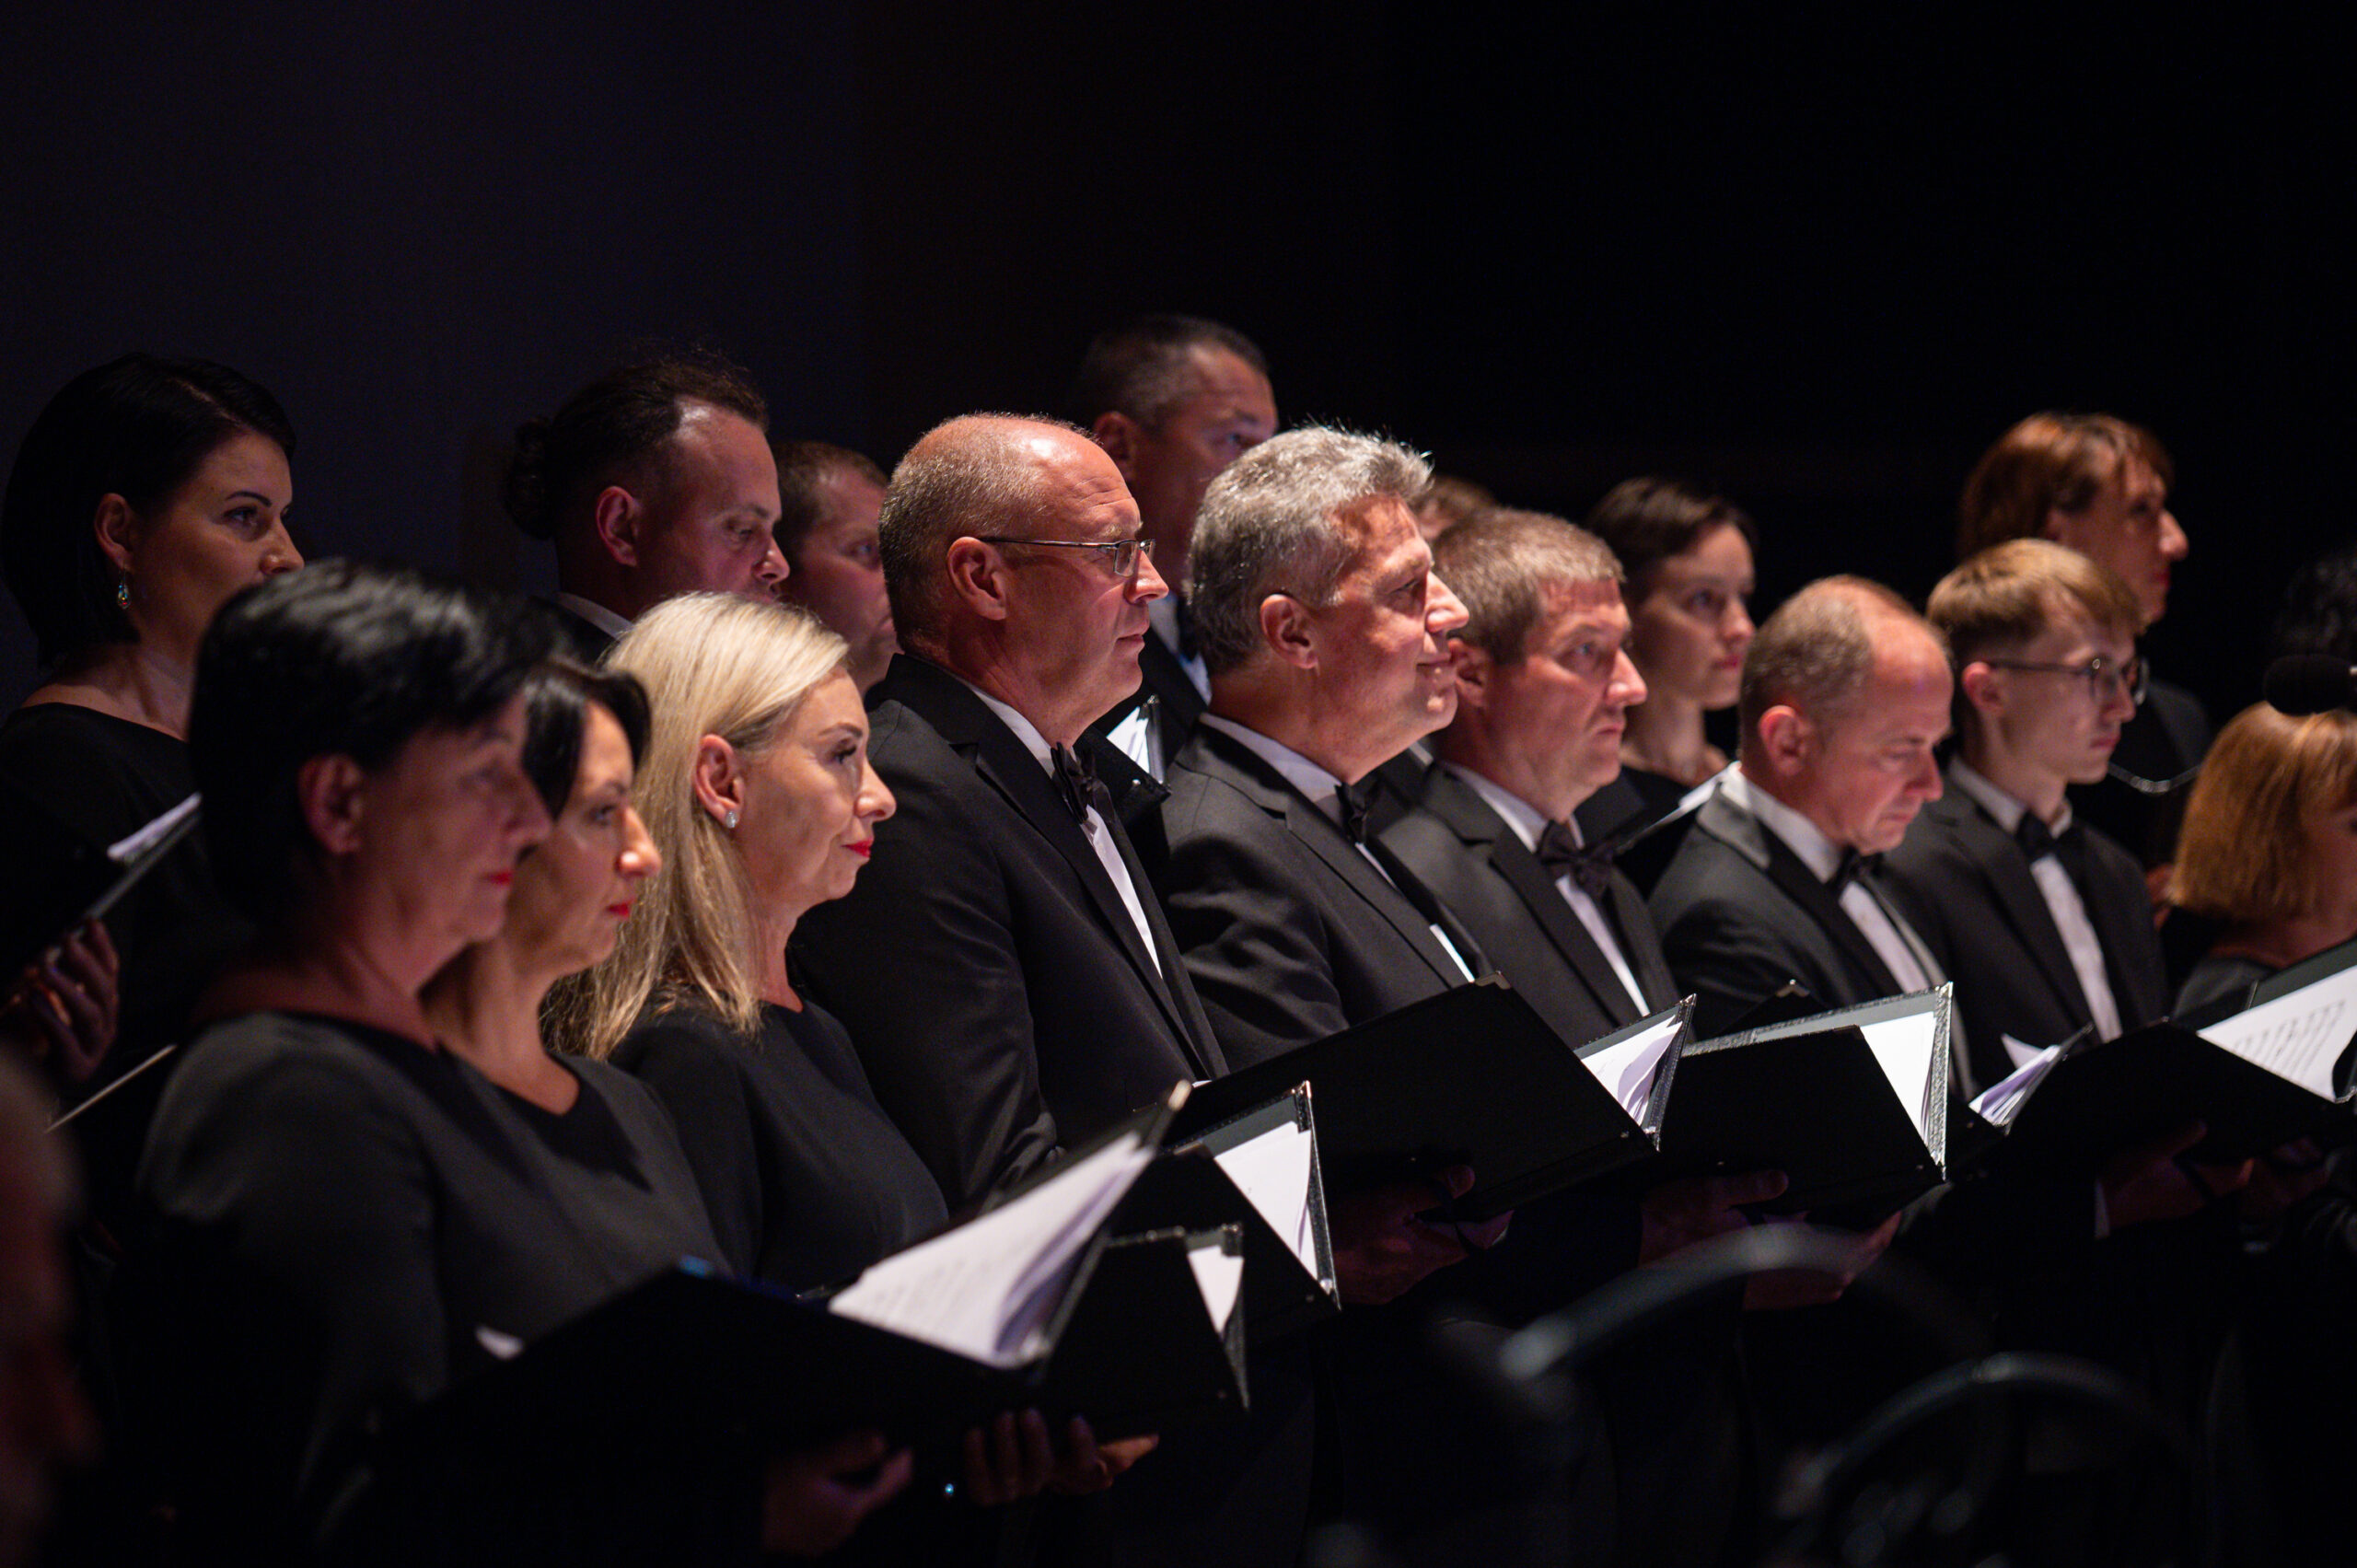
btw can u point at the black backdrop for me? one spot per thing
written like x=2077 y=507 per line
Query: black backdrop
x=1819 y=256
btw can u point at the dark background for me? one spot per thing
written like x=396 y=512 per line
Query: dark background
x=1817 y=256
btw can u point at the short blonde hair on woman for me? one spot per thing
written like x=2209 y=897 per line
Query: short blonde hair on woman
x=712 y=664
x=2243 y=855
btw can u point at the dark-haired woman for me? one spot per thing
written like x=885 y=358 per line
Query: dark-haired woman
x=145 y=494
x=345 y=1217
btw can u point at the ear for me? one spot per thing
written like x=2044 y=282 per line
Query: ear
x=113 y=525
x=978 y=576
x=1475 y=670
x=1787 y=738
x=1285 y=627
x=1119 y=434
x=717 y=778
x=617 y=517
x=1981 y=688
x=331 y=792
x=2057 y=521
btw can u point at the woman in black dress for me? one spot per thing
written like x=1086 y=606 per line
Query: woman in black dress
x=145 y=494
x=343 y=1217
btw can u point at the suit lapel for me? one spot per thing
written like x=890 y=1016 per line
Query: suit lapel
x=1003 y=763
x=1744 y=833
x=1471 y=817
x=1641 y=945
x=2015 y=888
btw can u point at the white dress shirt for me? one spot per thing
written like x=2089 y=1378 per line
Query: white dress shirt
x=1527 y=824
x=1894 y=941
x=2062 y=898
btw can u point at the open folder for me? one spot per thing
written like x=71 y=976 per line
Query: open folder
x=1472 y=1077
x=1850 y=1104
x=92 y=881
x=1030 y=1302
x=1258 y=1171
x=2257 y=1076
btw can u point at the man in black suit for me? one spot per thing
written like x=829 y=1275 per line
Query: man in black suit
x=1001 y=965
x=653 y=480
x=1845 y=692
x=1173 y=400
x=1543 y=689
x=2041 y=921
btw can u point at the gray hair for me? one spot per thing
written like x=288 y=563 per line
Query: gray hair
x=968 y=475
x=1817 y=651
x=1270 y=523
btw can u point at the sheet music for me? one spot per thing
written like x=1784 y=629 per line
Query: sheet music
x=1219 y=1274
x=2299 y=1036
x=2000 y=1100
x=1902 y=1046
x=987 y=1289
x=1271 y=1167
x=131 y=845
x=1134 y=737
x=1627 y=1069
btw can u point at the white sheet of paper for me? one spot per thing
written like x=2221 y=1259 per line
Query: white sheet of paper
x=1219 y=1274
x=1903 y=1047
x=1271 y=1169
x=1997 y=1102
x=2298 y=1036
x=1627 y=1069
x=1134 y=737
x=986 y=1289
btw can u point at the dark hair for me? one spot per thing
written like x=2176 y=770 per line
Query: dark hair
x=1647 y=520
x=802 y=470
x=2319 y=612
x=342 y=658
x=137 y=427
x=614 y=429
x=1137 y=368
x=2049 y=462
x=556 y=720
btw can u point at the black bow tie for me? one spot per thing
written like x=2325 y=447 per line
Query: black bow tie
x=1354 y=802
x=2037 y=840
x=1075 y=781
x=1588 y=866
x=1852 y=868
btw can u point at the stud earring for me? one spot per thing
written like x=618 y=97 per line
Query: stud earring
x=728 y=819
x=122 y=594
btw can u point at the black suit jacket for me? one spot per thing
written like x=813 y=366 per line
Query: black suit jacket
x=1479 y=867
x=1176 y=702
x=1966 y=887
x=1290 y=933
x=1739 y=915
x=984 y=965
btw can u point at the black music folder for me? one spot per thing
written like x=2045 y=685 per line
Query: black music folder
x=1258 y=1171
x=1850 y=1104
x=1030 y=1302
x=1472 y=1077
x=92 y=881
x=2257 y=1076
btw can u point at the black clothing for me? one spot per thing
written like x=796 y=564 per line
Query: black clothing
x=806 y=1180
x=341 y=1224
x=2218 y=976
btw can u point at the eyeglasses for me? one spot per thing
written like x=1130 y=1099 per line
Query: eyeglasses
x=1123 y=556
x=2102 y=676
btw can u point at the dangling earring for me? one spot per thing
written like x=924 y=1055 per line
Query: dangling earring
x=728 y=819
x=122 y=594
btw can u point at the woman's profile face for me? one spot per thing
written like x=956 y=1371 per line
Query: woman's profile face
x=2332 y=853
x=574 y=891
x=1689 y=633
x=223 y=530
x=439 y=828
x=812 y=803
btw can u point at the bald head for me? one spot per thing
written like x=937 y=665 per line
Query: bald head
x=977 y=475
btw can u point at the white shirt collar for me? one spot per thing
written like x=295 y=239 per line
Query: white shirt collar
x=1519 y=814
x=2007 y=811
x=1315 y=783
x=1803 y=837
x=1025 y=730
x=596 y=614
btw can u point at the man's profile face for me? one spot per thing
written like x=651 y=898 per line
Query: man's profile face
x=2128 y=527
x=1382 y=647
x=1073 y=625
x=2056 y=723
x=838 y=575
x=1870 y=768
x=708 y=521
x=1227 y=411
x=1563 y=706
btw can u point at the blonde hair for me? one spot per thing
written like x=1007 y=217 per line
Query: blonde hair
x=712 y=664
x=2243 y=855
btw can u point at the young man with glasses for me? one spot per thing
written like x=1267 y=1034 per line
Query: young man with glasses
x=2041 y=921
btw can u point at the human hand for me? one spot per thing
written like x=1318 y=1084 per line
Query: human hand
x=813 y=1498
x=1678 y=1215
x=1382 y=1249
x=2149 y=1182
x=64 y=1013
x=2283 y=1176
x=1786 y=1288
